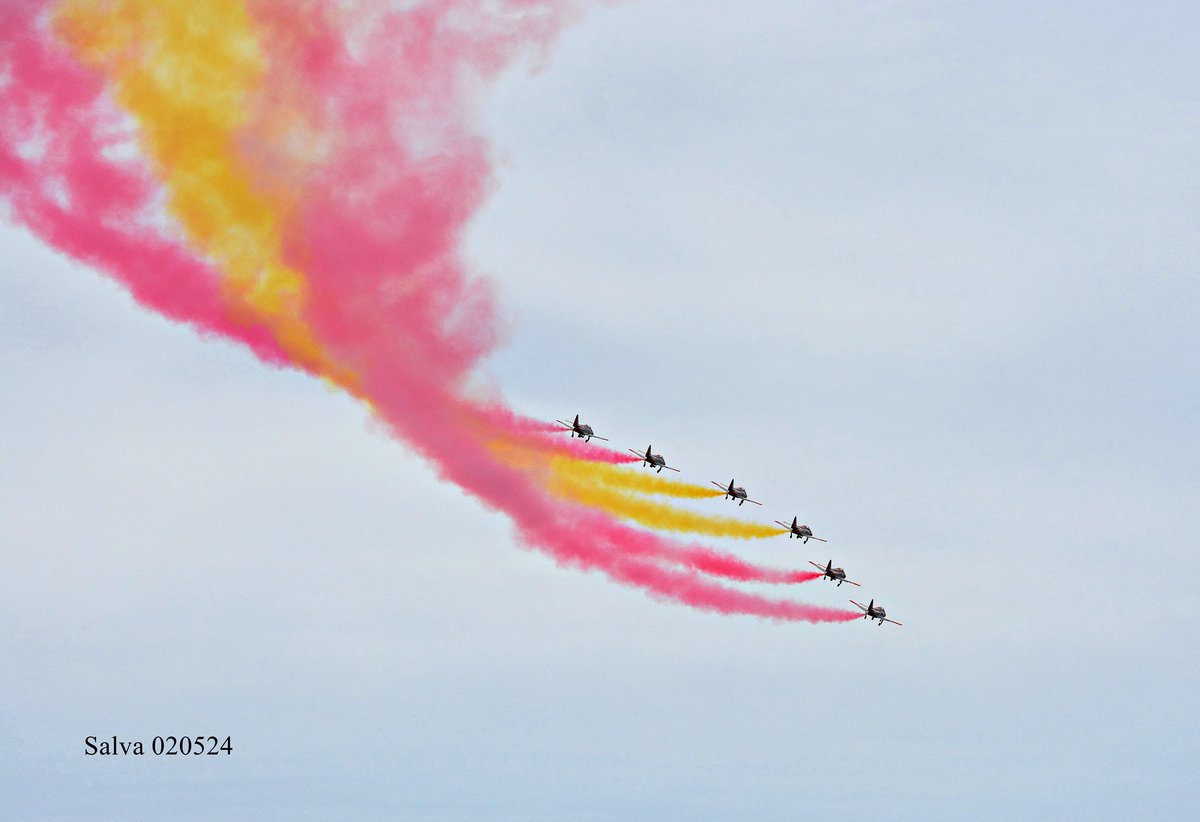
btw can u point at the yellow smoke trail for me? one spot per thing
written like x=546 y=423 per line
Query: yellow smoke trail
x=627 y=505
x=618 y=490
x=187 y=72
x=630 y=478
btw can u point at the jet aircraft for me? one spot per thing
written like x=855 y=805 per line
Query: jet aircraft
x=874 y=611
x=584 y=431
x=654 y=460
x=735 y=492
x=796 y=530
x=833 y=574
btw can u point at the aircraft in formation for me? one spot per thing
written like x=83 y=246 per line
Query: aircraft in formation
x=832 y=574
x=795 y=530
x=582 y=430
x=652 y=459
x=735 y=492
x=871 y=611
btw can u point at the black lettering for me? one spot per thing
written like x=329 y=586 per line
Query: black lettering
x=90 y=746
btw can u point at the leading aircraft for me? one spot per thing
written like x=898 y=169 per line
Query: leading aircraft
x=796 y=530
x=874 y=611
x=654 y=460
x=735 y=492
x=833 y=574
x=584 y=431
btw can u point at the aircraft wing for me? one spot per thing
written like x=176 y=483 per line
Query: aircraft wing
x=639 y=453
x=818 y=539
x=669 y=468
x=859 y=604
x=594 y=437
x=820 y=568
x=756 y=502
x=784 y=524
x=566 y=425
x=719 y=485
x=851 y=582
x=894 y=622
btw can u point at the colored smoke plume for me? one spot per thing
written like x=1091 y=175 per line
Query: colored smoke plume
x=298 y=178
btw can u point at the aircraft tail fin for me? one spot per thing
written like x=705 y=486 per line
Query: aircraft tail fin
x=577 y=419
x=731 y=486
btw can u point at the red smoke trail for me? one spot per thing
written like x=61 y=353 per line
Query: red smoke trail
x=56 y=138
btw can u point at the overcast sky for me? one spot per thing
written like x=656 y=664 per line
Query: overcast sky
x=923 y=274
